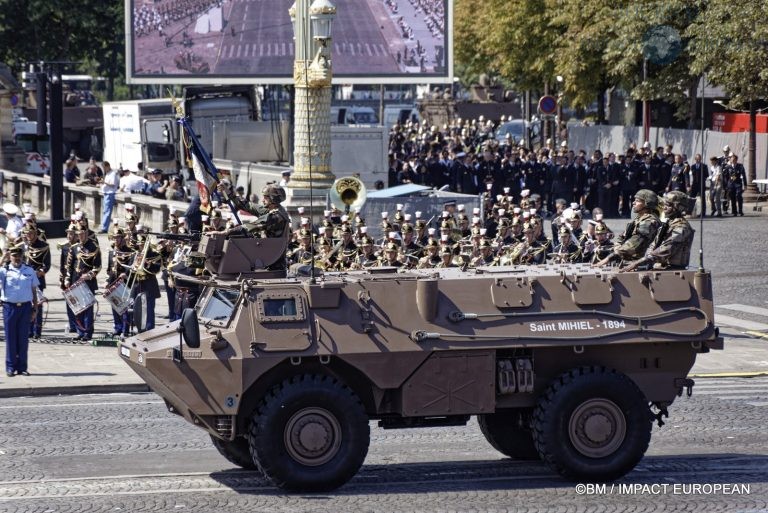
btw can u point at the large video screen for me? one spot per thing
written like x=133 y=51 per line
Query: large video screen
x=251 y=41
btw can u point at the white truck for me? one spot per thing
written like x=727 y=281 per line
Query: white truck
x=141 y=131
x=37 y=148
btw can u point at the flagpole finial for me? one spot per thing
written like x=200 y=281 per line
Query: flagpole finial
x=176 y=105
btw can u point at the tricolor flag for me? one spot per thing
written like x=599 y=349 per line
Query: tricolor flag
x=206 y=174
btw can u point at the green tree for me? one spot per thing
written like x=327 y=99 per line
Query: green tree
x=729 y=42
x=585 y=28
x=656 y=32
x=85 y=31
x=509 y=38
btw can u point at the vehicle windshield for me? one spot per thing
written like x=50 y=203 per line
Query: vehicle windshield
x=220 y=305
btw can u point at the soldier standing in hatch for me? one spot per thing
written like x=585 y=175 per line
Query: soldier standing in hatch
x=39 y=259
x=272 y=220
x=671 y=249
x=639 y=232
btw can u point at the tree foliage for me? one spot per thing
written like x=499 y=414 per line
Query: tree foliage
x=598 y=44
x=730 y=44
x=511 y=38
x=90 y=32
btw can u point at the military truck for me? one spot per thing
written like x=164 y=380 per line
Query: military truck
x=565 y=363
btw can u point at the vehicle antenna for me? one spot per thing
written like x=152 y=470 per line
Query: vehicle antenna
x=702 y=180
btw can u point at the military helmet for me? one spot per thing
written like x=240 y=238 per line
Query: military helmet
x=678 y=199
x=563 y=231
x=274 y=193
x=601 y=227
x=650 y=198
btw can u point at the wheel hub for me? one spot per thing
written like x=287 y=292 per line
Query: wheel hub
x=312 y=436
x=597 y=428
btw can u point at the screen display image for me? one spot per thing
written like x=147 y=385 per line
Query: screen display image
x=199 y=41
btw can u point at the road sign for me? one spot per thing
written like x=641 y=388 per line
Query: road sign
x=548 y=105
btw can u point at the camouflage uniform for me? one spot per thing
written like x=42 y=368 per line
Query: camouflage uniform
x=671 y=249
x=638 y=235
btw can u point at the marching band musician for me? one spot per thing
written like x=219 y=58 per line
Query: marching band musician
x=603 y=243
x=83 y=263
x=432 y=258
x=566 y=251
x=325 y=258
x=366 y=257
x=530 y=251
x=64 y=273
x=391 y=254
x=167 y=249
x=38 y=257
x=410 y=249
x=303 y=253
x=446 y=258
x=486 y=256
x=145 y=266
x=118 y=260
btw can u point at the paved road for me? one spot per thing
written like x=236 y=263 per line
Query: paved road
x=126 y=453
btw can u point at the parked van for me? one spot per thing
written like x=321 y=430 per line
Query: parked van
x=400 y=114
x=354 y=116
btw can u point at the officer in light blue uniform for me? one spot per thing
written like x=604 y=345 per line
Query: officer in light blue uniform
x=18 y=283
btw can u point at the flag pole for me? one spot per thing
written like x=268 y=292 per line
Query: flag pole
x=199 y=152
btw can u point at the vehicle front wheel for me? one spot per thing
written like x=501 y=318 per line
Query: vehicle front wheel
x=309 y=434
x=592 y=424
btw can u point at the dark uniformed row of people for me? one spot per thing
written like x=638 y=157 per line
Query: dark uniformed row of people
x=467 y=157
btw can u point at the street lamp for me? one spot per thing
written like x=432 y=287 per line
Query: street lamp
x=312 y=75
x=321 y=13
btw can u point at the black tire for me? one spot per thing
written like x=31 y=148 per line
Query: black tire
x=592 y=424
x=509 y=433
x=313 y=409
x=237 y=452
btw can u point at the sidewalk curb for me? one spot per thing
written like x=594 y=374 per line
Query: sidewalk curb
x=126 y=388
x=754 y=374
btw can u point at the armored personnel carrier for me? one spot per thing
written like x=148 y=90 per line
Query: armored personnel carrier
x=565 y=363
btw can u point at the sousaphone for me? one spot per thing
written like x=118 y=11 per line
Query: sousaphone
x=348 y=193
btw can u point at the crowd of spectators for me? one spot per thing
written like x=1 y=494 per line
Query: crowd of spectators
x=467 y=157
x=134 y=181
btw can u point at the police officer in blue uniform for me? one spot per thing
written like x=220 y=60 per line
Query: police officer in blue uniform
x=19 y=283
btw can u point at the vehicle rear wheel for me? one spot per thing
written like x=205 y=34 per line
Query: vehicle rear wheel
x=592 y=424
x=237 y=451
x=309 y=434
x=509 y=433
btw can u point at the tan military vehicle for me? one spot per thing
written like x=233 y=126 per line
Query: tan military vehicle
x=560 y=362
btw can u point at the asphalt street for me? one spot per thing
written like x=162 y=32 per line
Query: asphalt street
x=118 y=452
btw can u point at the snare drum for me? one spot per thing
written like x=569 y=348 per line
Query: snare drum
x=118 y=296
x=79 y=297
